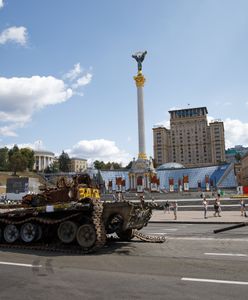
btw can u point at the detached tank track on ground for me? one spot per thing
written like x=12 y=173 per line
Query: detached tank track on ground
x=69 y=249
x=149 y=238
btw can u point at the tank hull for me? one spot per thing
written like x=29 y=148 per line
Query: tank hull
x=74 y=225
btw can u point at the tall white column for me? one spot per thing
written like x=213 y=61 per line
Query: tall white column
x=141 y=123
x=140 y=80
x=39 y=162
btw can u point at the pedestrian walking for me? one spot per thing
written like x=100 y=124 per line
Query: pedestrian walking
x=205 y=207
x=167 y=207
x=175 y=206
x=242 y=208
x=154 y=204
x=217 y=208
x=142 y=200
x=114 y=197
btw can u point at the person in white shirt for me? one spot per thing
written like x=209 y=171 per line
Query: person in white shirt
x=205 y=207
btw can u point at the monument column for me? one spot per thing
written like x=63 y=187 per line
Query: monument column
x=140 y=80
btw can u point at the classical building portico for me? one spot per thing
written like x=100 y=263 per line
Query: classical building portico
x=43 y=159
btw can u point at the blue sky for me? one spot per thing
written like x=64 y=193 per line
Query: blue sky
x=66 y=71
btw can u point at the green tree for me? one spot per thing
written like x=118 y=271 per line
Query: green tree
x=99 y=165
x=116 y=165
x=129 y=166
x=28 y=154
x=53 y=168
x=108 y=166
x=12 y=151
x=17 y=162
x=4 y=159
x=64 y=162
x=238 y=157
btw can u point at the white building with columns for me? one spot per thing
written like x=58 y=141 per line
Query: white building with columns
x=43 y=159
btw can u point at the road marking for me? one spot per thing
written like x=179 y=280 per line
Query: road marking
x=19 y=265
x=170 y=229
x=207 y=239
x=226 y=254
x=215 y=281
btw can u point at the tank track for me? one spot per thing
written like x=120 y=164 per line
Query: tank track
x=149 y=238
x=96 y=220
x=99 y=226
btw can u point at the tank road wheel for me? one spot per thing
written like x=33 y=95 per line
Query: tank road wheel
x=67 y=231
x=115 y=223
x=11 y=233
x=28 y=232
x=126 y=235
x=86 y=235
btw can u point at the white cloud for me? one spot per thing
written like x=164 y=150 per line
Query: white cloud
x=84 y=80
x=164 y=123
x=76 y=81
x=37 y=145
x=14 y=34
x=235 y=133
x=1 y=4
x=7 y=131
x=21 y=97
x=101 y=149
x=74 y=73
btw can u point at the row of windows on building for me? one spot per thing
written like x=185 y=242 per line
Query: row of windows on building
x=190 y=140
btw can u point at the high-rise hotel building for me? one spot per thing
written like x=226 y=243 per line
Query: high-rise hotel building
x=190 y=140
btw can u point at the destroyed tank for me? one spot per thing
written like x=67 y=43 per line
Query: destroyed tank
x=69 y=217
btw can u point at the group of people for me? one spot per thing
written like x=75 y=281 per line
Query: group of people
x=217 y=207
x=168 y=206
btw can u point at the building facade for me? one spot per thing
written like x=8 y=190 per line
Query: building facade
x=244 y=170
x=234 y=154
x=190 y=140
x=42 y=160
x=78 y=165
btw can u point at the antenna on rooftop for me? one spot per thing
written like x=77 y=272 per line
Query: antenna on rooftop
x=38 y=145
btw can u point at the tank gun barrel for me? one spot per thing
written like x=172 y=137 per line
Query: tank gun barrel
x=231 y=227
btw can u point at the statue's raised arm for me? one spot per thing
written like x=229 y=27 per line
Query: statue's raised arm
x=139 y=57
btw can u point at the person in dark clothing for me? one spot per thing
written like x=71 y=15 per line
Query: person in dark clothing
x=217 y=208
x=167 y=207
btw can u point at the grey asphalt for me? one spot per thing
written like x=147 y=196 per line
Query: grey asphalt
x=136 y=270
